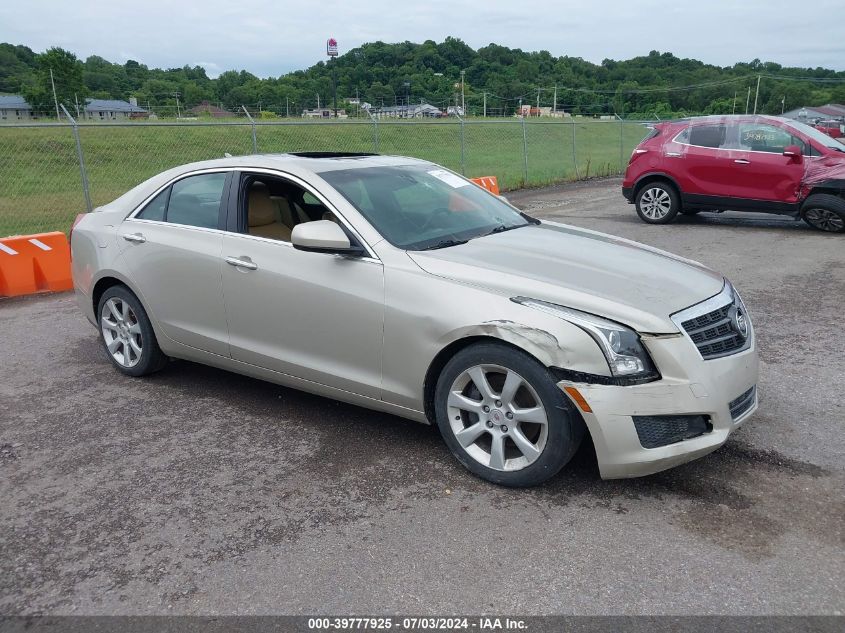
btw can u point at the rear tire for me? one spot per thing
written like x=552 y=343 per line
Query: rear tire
x=127 y=334
x=529 y=430
x=824 y=212
x=657 y=202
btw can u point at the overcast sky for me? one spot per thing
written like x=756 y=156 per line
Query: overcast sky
x=270 y=38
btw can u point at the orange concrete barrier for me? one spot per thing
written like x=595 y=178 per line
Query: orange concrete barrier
x=490 y=183
x=34 y=263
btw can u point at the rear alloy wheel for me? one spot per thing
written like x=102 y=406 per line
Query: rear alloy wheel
x=825 y=212
x=657 y=203
x=127 y=334
x=504 y=417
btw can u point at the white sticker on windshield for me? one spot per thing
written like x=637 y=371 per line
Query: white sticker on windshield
x=449 y=178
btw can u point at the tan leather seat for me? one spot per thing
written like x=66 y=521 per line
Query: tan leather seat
x=263 y=215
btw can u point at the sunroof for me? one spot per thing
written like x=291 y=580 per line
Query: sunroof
x=332 y=154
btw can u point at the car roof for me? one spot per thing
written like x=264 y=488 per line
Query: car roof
x=315 y=162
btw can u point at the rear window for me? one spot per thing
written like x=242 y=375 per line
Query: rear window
x=703 y=135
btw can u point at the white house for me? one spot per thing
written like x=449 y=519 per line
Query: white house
x=113 y=110
x=15 y=108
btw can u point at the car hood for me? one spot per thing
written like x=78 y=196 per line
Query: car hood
x=605 y=275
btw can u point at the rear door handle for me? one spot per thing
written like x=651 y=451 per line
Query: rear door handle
x=674 y=154
x=741 y=161
x=242 y=263
x=134 y=237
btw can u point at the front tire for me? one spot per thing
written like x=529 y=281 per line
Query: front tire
x=127 y=334
x=503 y=416
x=657 y=203
x=824 y=212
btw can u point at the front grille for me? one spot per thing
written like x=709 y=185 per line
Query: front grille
x=660 y=430
x=713 y=333
x=743 y=403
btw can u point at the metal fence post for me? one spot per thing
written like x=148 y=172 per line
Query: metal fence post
x=575 y=153
x=375 y=132
x=524 y=153
x=254 y=139
x=463 y=161
x=79 y=155
x=621 y=145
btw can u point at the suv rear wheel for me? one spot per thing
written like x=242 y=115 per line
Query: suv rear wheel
x=824 y=212
x=657 y=203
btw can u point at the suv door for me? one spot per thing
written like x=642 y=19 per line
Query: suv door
x=697 y=160
x=766 y=174
x=172 y=249
x=315 y=316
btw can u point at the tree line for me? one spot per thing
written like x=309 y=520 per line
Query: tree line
x=496 y=79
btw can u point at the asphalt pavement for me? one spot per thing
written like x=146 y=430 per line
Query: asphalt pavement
x=196 y=491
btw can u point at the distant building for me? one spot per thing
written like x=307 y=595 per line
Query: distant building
x=414 y=111
x=204 y=108
x=324 y=113
x=15 y=108
x=455 y=111
x=811 y=114
x=113 y=110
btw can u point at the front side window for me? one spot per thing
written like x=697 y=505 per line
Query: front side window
x=759 y=137
x=416 y=207
x=192 y=201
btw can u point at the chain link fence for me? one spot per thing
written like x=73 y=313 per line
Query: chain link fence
x=51 y=172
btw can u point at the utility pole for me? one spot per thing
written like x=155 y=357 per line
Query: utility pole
x=554 y=102
x=55 y=100
x=538 y=101
x=76 y=101
x=748 y=100
x=734 y=108
x=463 y=99
x=756 y=94
x=178 y=112
x=485 y=105
x=318 y=100
x=782 y=104
x=287 y=108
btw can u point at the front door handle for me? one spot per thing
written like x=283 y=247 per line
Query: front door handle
x=242 y=263
x=134 y=237
x=674 y=154
x=741 y=161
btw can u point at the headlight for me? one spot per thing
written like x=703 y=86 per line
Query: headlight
x=621 y=346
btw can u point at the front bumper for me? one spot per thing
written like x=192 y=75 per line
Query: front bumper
x=689 y=386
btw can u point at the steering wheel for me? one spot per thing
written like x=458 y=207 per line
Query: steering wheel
x=436 y=213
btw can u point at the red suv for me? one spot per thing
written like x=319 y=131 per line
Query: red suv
x=740 y=163
x=836 y=129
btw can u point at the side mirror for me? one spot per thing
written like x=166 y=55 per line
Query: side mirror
x=322 y=236
x=792 y=151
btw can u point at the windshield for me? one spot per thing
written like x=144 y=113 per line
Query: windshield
x=418 y=207
x=818 y=136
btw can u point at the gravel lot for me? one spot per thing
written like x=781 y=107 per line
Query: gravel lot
x=197 y=491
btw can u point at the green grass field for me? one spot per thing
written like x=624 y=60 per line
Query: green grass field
x=40 y=181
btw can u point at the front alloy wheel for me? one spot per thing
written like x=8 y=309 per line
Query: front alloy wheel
x=504 y=417
x=497 y=417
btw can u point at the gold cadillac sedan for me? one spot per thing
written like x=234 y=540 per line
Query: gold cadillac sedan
x=395 y=284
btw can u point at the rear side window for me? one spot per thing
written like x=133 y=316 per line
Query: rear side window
x=192 y=201
x=704 y=136
x=156 y=208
